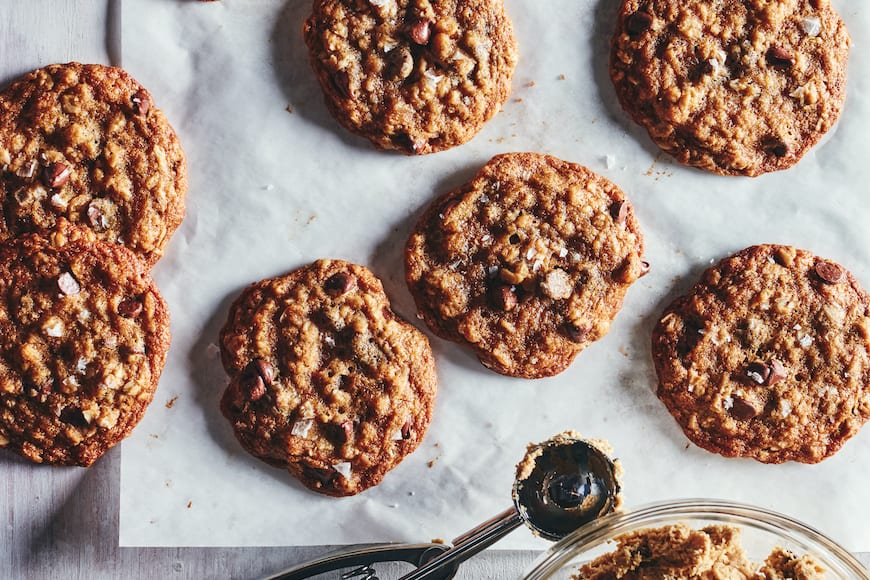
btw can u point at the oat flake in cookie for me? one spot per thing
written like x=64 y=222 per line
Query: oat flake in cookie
x=733 y=87
x=527 y=264
x=325 y=380
x=83 y=338
x=412 y=75
x=768 y=356
x=87 y=143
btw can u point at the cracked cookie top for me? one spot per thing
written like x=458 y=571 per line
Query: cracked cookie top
x=733 y=87
x=83 y=337
x=325 y=380
x=527 y=264
x=412 y=75
x=86 y=143
x=768 y=356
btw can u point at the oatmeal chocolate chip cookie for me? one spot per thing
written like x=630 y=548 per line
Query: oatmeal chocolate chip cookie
x=527 y=263
x=768 y=356
x=325 y=380
x=413 y=75
x=86 y=143
x=83 y=338
x=733 y=87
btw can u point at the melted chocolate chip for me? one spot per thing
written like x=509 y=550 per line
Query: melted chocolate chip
x=265 y=369
x=638 y=23
x=341 y=81
x=575 y=333
x=56 y=175
x=829 y=272
x=130 y=308
x=142 y=102
x=74 y=416
x=503 y=297
x=742 y=410
x=619 y=211
x=324 y=476
x=340 y=283
x=420 y=32
x=778 y=57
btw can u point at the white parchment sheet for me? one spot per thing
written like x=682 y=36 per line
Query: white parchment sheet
x=275 y=183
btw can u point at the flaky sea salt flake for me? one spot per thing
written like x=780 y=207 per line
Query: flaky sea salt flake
x=301 y=427
x=343 y=469
x=812 y=25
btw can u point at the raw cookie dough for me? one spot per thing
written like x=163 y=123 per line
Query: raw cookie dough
x=678 y=552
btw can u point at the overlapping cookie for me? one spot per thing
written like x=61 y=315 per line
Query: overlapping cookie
x=325 y=380
x=734 y=87
x=86 y=143
x=83 y=338
x=412 y=75
x=527 y=264
x=768 y=356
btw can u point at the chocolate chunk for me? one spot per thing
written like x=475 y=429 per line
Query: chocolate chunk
x=758 y=372
x=503 y=297
x=406 y=429
x=56 y=175
x=742 y=409
x=829 y=272
x=340 y=283
x=777 y=372
x=252 y=386
x=324 y=476
x=401 y=63
x=142 y=102
x=575 y=333
x=265 y=369
x=638 y=23
x=619 y=211
x=778 y=57
x=341 y=81
x=74 y=416
x=766 y=373
x=420 y=32
x=130 y=308
x=347 y=431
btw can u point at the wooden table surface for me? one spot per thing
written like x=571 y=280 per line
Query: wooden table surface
x=63 y=522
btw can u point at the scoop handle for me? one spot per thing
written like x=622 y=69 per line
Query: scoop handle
x=469 y=544
x=362 y=560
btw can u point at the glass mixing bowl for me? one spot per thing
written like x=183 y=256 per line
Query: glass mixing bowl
x=761 y=531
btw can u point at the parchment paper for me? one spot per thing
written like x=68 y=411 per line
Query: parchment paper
x=275 y=183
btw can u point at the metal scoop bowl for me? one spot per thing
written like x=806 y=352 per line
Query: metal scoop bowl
x=561 y=484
